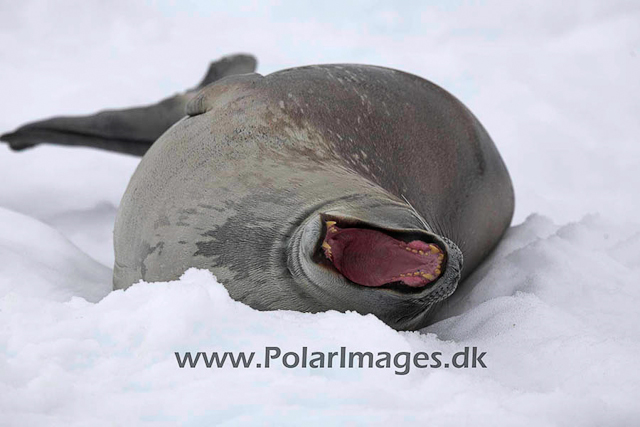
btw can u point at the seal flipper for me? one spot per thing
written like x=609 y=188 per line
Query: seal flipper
x=131 y=130
x=227 y=66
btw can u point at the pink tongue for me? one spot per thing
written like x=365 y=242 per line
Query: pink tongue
x=372 y=258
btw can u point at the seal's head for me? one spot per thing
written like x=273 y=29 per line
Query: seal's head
x=383 y=261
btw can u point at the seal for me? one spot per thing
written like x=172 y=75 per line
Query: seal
x=329 y=187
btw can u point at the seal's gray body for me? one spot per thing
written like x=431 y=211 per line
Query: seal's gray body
x=238 y=186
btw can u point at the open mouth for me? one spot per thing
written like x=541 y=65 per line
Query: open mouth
x=380 y=258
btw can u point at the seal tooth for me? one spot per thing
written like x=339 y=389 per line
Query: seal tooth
x=421 y=252
x=428 y=276
x=414 y=251
x=330 y=223
x=434 y=249
x=409 y=249
x=325 y=245
x=438 y=271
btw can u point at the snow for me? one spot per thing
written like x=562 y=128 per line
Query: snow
x=554 y=308
x=38 y=261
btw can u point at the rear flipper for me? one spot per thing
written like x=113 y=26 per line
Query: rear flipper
x=131 y=130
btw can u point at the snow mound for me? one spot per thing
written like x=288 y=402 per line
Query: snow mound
x=38 y=261
x=554 y=309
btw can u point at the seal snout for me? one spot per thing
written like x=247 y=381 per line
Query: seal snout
x=372 y=258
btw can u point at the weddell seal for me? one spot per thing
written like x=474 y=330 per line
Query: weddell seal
x=326 y=187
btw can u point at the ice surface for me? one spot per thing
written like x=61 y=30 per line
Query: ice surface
x=555 y=307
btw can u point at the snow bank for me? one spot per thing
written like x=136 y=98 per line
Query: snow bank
x=37 y=261
x=555 y=310
x=74 y=190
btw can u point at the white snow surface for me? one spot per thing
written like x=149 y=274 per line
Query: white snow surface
x=555 y=307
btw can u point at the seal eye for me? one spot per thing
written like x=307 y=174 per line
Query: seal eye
x=372 y=258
